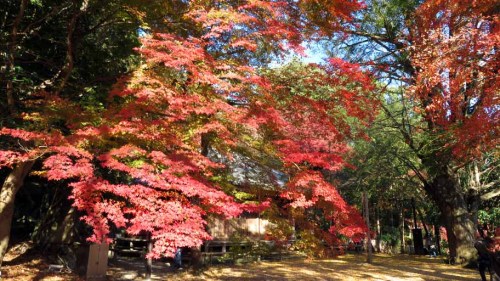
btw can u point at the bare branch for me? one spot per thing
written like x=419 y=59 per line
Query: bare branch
x=491 y=194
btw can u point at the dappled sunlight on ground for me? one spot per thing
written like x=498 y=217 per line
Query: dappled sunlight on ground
x=31 y=266
x=345 y=268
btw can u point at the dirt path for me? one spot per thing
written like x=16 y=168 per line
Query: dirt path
x=344 y=268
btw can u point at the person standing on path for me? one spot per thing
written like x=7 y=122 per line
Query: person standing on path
x=494 y=251
x=483 y=261
x=178 y=258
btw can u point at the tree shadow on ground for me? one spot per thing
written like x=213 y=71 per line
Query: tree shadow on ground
x=345 y=268
x=23 y=262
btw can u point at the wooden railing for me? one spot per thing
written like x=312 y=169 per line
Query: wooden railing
x=133 y=246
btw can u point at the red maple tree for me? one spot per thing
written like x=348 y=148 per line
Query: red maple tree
x=141 y=164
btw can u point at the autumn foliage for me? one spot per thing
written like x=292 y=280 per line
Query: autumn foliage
x=454 y=53
x=141 y=163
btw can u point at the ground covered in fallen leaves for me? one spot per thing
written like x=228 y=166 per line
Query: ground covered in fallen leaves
x=348 y=267
x=23 y=263
x=345 y=268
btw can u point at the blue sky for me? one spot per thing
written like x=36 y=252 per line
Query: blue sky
x=314 y=53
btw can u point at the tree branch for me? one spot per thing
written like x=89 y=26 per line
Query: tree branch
x=65 y=72
x=405 y=134
x=491 y=194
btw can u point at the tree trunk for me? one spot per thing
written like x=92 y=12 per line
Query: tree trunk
x=71 y=45
x=457 y=220
x=379 y=232
x=460 y=231
x=196 y=258
x=10 y=187
x=368 y=236
x=402 y=230
x=438 y=239
x=56 y=225
x=12 y=46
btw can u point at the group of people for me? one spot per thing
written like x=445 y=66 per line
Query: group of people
x=488 y=249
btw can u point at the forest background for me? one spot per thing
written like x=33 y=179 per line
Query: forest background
x=116 y=116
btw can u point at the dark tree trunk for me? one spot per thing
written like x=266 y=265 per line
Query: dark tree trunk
x=57 y=224
x=10 y=57
x=457 y=219
x=196 y=258
x=402 y=230
x=366 y=213
x=10 y=187
x=438 y=239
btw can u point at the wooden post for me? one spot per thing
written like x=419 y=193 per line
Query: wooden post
x=368 y=236
x=97 y=263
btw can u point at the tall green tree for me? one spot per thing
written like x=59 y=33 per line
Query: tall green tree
x=383 y=166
